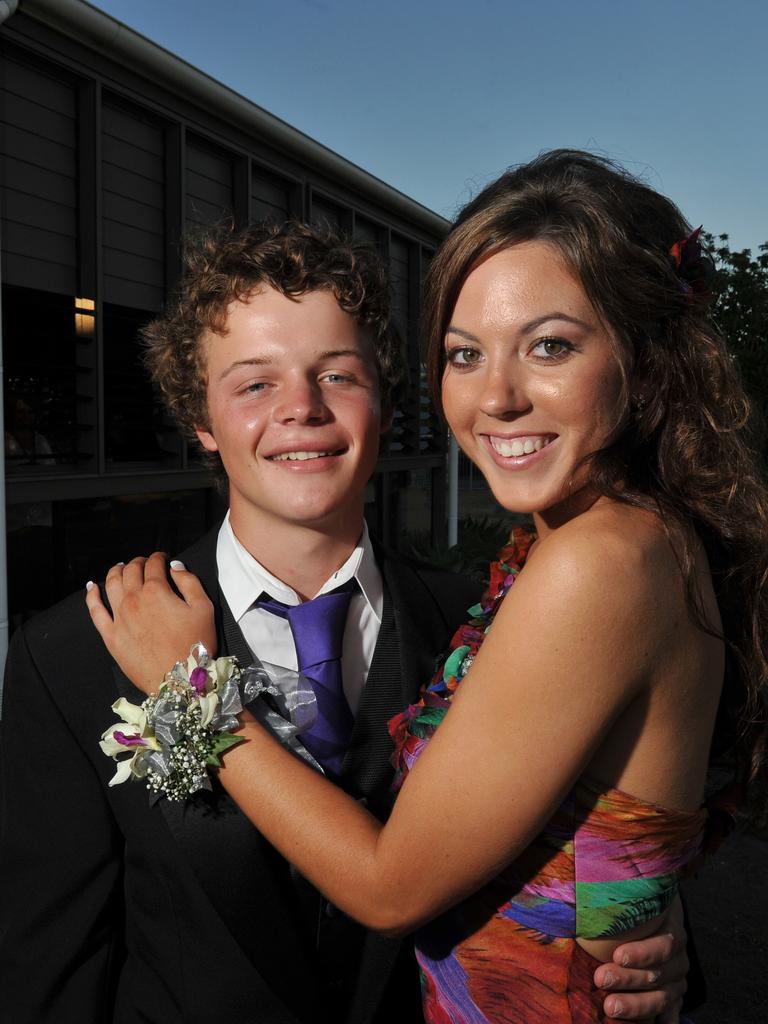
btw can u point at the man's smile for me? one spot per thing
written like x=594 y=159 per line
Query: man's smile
x=302 y=455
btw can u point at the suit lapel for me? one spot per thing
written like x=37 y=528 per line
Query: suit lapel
x=412 y=634
x=246 y=880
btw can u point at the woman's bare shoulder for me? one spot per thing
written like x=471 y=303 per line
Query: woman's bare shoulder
x=611 y=552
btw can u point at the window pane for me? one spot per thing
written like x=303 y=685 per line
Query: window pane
x=48 y=348
x=137 y=429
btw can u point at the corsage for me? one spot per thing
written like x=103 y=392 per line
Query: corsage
x=174 y=737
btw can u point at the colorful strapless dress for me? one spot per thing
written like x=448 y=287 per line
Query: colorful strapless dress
x=604 y=863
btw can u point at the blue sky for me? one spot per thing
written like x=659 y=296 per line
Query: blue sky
x=437 y=97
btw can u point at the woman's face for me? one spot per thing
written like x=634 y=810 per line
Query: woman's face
x=532 y=383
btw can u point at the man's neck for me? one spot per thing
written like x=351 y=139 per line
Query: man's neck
x=302 y=557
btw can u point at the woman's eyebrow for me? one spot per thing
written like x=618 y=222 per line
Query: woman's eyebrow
x=531 y=326
x=467 y=335
x=534 y=325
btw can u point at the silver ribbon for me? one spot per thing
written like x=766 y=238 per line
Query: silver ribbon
x=294 y=697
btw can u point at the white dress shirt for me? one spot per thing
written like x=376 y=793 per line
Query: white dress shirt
x=242 y=580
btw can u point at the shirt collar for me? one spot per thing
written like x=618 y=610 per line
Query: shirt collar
x=242 y=578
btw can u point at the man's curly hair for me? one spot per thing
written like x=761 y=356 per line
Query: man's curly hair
x=227 y=264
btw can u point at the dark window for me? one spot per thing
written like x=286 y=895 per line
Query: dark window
x=48 y=343
x=137 y=430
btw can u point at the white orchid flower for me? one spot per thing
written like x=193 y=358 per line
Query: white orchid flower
x=132 y=735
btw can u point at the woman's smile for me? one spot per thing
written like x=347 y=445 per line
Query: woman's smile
x=518 y=450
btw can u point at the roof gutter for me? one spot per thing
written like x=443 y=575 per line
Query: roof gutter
x=87 y=24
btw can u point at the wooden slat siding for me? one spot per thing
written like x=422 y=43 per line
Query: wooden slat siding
x=402 y=437
x=38 y=167
x=326 y=213
x=209 y=184
x=398 y=275
x=133 y=208
x=270 y=197
x=431 y=428
x=367 y=231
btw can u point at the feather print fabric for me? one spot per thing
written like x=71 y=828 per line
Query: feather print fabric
x=605 y=863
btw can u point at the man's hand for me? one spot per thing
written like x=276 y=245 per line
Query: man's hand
x=151 y=627
x=647 y=978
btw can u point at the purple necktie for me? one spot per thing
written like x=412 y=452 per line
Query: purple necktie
x=318 y=631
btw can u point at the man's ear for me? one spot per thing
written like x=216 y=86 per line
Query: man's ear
x=206 y=439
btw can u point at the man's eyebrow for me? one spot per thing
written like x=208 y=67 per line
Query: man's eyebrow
x=253 y=361
x=336 y=353
x=531 y=326
x=332 y=353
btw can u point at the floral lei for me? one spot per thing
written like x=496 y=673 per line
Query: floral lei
x=411 y=729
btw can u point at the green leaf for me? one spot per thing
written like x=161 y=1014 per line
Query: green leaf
x=221 y=743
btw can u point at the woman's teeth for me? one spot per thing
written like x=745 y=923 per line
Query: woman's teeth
x=516 y=446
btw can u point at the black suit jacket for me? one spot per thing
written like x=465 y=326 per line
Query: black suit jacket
x=112 y=910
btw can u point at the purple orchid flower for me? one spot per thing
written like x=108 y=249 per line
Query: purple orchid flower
x=129 y=741
x=198 y=679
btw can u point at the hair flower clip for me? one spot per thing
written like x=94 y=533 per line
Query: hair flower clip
x=693 y=266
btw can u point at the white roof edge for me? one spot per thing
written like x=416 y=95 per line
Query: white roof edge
x=80 y=20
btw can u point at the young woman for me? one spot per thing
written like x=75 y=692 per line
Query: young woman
x=549 y=816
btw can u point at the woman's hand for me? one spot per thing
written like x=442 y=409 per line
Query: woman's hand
x=151 y=627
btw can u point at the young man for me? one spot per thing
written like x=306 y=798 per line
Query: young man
x=280 y=358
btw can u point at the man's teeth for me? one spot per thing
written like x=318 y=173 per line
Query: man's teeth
x=299 y=456
x=518 y=446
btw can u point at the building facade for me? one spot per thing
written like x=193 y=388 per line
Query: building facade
x=111 y=149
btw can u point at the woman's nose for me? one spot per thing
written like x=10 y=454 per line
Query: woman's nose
x=503 y=392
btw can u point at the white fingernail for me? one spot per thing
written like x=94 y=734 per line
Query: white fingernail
x=120 y=563
x=89 y=586
x=176 y=564
x=608 y=979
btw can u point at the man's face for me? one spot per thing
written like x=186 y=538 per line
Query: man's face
x=294 y=411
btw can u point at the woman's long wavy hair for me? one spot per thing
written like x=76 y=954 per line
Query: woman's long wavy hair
x=687 y=451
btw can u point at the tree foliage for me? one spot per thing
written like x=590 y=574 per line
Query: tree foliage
x=740 y=310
